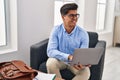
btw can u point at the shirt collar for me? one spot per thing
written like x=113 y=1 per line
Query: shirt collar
x=71 y=32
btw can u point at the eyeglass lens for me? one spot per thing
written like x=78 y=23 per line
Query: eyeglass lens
x=74 y=15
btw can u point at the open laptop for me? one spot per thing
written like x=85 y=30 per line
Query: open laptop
x=87 y=56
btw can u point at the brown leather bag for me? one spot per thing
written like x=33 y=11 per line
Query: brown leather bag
x=16 y=70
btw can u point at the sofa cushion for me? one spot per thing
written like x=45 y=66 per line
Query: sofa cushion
x=42 y=67
x=67 y=74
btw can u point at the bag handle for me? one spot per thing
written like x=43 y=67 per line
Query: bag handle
x=22 y=66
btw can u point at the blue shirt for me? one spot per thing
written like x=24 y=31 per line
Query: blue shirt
x=61 y=44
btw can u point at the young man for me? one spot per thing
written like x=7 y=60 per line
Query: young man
x=64 y=39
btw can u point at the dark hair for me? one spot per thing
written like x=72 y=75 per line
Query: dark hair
x=66 y=7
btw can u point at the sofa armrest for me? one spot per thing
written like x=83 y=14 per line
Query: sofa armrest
x=97 y=70
x=101 y=44
x=38 y=54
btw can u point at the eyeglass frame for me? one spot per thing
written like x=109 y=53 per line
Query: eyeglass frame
x=73 y=15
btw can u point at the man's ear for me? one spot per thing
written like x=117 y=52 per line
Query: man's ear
x=62 y=17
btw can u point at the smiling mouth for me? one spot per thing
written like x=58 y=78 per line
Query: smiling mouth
x=74 y=22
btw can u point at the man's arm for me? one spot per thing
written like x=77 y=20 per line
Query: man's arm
x=84 y=44
x=52 y=49
x=85 y=40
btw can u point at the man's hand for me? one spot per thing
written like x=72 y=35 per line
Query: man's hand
x=80 y=66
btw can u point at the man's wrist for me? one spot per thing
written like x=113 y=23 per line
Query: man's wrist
x=70 y=58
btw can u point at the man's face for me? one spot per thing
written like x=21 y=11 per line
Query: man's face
x=71 y=18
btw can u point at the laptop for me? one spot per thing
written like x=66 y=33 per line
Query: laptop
x=87 y=56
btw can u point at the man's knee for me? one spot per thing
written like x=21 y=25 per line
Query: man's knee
x=51 y=63
x=82 y=74
x=86 y=73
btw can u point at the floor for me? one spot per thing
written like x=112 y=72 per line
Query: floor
x=112 y=64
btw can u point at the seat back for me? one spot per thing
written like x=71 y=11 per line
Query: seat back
x=93 y=39
x=38 y=54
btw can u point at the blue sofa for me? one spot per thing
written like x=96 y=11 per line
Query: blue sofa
x=38 y=58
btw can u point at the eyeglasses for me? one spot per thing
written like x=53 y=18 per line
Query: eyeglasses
x=73 y=15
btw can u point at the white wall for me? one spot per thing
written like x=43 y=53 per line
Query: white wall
x=88 y=19
x=35 y=20
x=108 y=34
x=90 y=15
x=81 y=11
